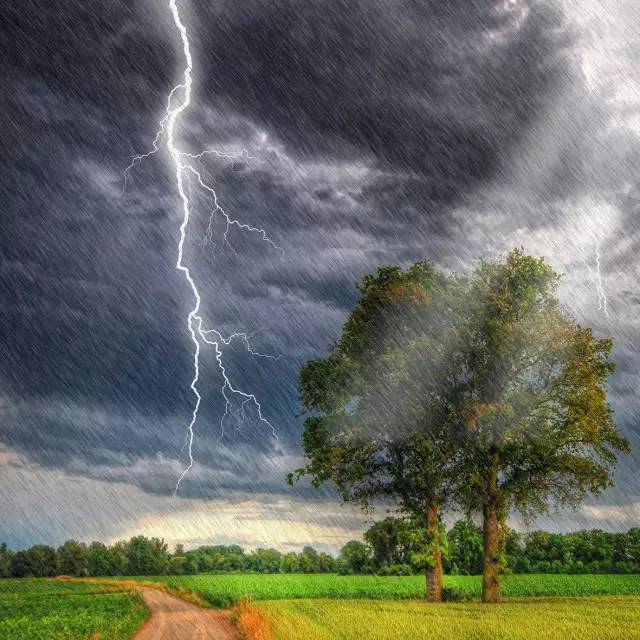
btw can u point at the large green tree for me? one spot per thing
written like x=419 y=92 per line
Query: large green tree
x=73 y=558
x=379 y=402
x=535 y=425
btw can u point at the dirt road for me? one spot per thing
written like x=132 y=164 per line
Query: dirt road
x=174 y=619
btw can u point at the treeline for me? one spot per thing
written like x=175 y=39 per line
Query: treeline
x=395 y=547
x=142 y=556
x=392 y=547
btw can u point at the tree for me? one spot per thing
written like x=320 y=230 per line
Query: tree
x=289 y=563
x=326 y=563
x=309 y=561
x=384 y=538
x=536 y=428
x=179 y=562
x=147 y=556
x=355 y=556
x=99 y=560
x=42 y=561
x=380 y=428
x=37 y=561
x=119 y=563
x=72 y=558
x=265 y=560
x=465 y=548
x=398 y=545
x=20 y=565
x=5 y=561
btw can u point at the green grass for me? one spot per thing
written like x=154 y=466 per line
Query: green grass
x=38 y=609
x=601 y=618
x=224 y=590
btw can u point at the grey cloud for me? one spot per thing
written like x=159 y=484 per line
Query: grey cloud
x=379 y=132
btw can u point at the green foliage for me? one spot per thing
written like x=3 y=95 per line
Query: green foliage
x=452 y=594
x=35 y=609
x=592 y=551
x=5 y=561
x=39 y=560
x=147 y=556
x=355 y=557
x=289 y=563
x=392 y=545
x=396 y=570
x=376 y=424
x=265 y=560
x=99 y=561
x=534 y=407
x=72 y=559
x=390 y=542
x=465 y=549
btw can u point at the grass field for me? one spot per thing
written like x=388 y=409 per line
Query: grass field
x=601 y=618
x=38 y=609
x=224 y=590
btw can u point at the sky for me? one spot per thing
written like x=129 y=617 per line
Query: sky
x=355 y=133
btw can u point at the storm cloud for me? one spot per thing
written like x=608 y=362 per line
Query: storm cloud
x=374 y=132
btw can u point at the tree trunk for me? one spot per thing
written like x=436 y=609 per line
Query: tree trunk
x=491 y=567
x=434 y=571
x=491 y=518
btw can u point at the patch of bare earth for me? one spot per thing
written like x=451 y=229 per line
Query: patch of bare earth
x=175 y=619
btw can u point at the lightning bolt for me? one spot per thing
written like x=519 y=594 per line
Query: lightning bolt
x=596 y=277
x=602 y=296
x=178 y=101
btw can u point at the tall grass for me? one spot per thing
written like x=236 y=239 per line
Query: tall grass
x=601 y=618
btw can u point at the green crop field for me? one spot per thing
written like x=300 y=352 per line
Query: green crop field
x=601 y=618
x=224 y=590
x=40 y=609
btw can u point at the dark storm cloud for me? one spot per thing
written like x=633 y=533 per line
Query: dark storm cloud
x=381 y=118
x=426 y=88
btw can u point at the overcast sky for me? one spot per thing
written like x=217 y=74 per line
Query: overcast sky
x=372 y=132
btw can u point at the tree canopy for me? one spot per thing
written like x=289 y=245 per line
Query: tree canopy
x=478 y=392
x=379 y=427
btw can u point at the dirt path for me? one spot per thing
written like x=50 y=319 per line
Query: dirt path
x=175 y=619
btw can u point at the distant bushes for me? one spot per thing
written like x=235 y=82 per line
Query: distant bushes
x=392 y=547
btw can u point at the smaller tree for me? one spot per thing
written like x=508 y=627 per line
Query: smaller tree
x=147 y=556
x=355 y=557
x=42 y=561
x=73 y=558
x=309 y=561
x=5 y=561
x=465 y=548
x=386 y=541
x=118 y=559
x=99 y=562
x=20 y=565
x=265 y=560
x=289 y=563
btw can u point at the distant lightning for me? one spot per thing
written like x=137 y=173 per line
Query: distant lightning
x=602 y=296
x=596 y=277
x=183 y=163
